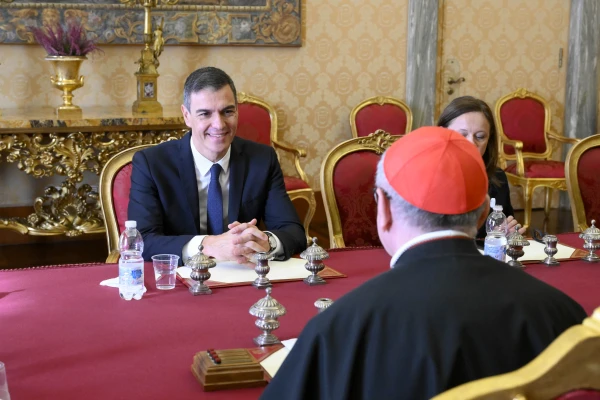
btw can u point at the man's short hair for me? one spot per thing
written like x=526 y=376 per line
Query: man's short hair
x=427 y=221
x=206 y=78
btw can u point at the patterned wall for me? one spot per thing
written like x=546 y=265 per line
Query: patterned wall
x=352 y=50
x=501 y=45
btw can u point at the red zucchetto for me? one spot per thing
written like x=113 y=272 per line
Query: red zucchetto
x=437 y=170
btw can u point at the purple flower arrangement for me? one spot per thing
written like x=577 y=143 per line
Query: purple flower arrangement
x=67 y=39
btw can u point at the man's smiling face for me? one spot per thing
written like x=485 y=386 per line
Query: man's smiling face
x=213 y=118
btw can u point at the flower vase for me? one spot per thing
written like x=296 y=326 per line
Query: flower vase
x=66 y=78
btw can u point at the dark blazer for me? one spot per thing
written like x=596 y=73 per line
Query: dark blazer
x=443 y=316
x=502 y=195
x=164 y=195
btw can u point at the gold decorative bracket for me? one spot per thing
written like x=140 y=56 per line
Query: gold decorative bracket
x=69 y=209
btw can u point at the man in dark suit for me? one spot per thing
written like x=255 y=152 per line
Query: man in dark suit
x=210 y=187
x=444 y=314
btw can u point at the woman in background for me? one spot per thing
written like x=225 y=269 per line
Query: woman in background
x=473 y=119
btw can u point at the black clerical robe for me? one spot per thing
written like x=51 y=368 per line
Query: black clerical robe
x=443 y=316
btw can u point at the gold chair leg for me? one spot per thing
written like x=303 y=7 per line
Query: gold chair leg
x=528 y=194
x=548 y=201
x=312 y=207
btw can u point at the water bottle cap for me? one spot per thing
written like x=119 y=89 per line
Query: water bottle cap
x=130 y=224
x=498 y=208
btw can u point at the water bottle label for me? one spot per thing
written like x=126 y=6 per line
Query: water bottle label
x=130 y=275
x=497 y=252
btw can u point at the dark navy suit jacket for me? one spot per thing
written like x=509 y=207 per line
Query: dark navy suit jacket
x=164 y=195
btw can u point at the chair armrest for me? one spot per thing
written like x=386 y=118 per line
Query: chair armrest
x=297 y=152
x=562 y=139
x=518 y=146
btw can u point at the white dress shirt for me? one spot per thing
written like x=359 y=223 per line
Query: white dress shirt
x=448 y=233
x=202 y=166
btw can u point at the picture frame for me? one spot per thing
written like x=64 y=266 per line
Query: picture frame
x=189 y=22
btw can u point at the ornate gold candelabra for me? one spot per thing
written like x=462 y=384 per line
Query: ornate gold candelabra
x=147 y=73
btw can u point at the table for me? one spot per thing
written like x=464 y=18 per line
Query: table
x=64 y=336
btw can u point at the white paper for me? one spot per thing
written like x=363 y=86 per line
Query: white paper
x=272 y=363
x=232 y=272
x=113 y=282
x=289 y=344
x=535 y=252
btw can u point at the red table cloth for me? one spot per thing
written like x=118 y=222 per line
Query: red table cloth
x=62 y=336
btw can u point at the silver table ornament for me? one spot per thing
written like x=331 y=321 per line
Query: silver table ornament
x=516 y=242
x=591 y=236
x=267 y=311
x=551 y=242
x=314 y=255
x=262 y=269
x=200 y=264
x=323 y=303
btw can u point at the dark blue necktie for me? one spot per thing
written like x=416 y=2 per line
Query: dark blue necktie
x=215 y=202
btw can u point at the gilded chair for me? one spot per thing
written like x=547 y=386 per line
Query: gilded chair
x=568 y=369
x=347 y=182
x=380 y=112
x=257 y=121
x=526 y=140
x=582 y=169
x=115 y=183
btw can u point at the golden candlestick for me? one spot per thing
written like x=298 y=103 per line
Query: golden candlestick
x=147 y=73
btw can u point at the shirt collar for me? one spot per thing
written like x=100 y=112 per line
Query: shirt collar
x=203 y=164
x=448 y=233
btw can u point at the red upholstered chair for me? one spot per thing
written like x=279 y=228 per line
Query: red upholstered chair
x=524 y=127
x=257 y=121
x=380 y=112
x=569 y=369
x=347 y=182
x=115 y=183
x=582 y=169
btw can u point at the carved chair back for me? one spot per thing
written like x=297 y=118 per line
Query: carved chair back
x=257 y=121
x=523 y=122
x=568 y=369
x=380 y=112
x=582 y=168
x=347 y=182
x=115 y=184
x=524 y=116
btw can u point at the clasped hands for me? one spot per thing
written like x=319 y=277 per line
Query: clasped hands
x=238 y=243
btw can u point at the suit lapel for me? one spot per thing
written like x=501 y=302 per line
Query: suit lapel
x=187 y=174
x=237 y=166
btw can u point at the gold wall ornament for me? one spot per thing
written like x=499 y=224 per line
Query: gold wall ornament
x=66 y=78
x=147 y=73
x=70 y=209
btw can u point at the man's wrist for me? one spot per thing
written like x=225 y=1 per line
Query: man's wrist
x=208 y=247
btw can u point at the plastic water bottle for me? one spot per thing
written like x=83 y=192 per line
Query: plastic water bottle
x=497 y=228
x=131 y=263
